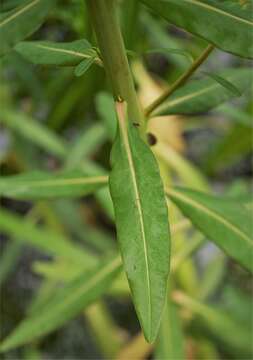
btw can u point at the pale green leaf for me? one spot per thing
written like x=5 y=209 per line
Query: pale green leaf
x=223 y=82
x=170 y=340
x=106 y=110
x=236 y=114
x=41 y=185
x=141 y=221
x=56 y=53
x=22 y=21
x=52 y=243
x=159 y=36
x=219 y=323
x=9 y=259
x=202 y=95
x=224 y=221
x=34 y=131
x=228 y=26
x=65 y=304
x=228 y=150
x=84 y=66
x=186 y=171
x=180 y=52
x=86 y=144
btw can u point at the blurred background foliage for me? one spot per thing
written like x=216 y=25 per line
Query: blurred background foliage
x=57 y=120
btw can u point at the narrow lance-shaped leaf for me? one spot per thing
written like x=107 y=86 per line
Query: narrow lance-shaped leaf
x=86 y=144
x=228 y=25
x=106 y=110
x=39 y=185
x=224 y=82
x=10 y=4
x=219 y=323
x=170 y=340
x=17 y=24
x=65 y=304
x=33 y=131
x=181 y=52
x=202 y=95
x=223 y=221
x=84 y=66
x=52 y=243
x=141 y=221
x=56 y=53
x=229 y=149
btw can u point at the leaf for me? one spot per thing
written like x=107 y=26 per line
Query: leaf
x=223 y=82
x=199 y=96
x=86 y=144
x=10 y=4
x=186 y=171
x=39 y=185
x=219 y=323
x=9 y=259
x=223 y=221
x=19 y=23
x=237 y=115
x=170 y=341
x=227 y=27
x=65 y=304
x=141 y=222
x=81 y=68
x=56 y=53
x=106 y=110
x=212 y=277
x=229 y=149
x=181 y=52
x=158 y=35
x=34 y=131
x=71 y=215
x=42 y=238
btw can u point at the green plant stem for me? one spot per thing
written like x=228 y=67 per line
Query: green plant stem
x=103 y=14
x=180 y=81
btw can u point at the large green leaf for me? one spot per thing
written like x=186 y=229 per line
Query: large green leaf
x=18 y=23
x=205 y=94
x=227 y=25
x=141 y=221
x=65 y=304
x=223 y=221
x=52 y=243
x=41 y=185
x=56 y=53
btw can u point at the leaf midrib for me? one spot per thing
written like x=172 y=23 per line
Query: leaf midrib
x=192 y=95
x=66 y=51
x=121 y=107
x=212 y=8
x=211 y=213
x=19 y=12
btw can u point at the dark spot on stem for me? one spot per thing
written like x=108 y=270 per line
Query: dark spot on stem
x=151 y=139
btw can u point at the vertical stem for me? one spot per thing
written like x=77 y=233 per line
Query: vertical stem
x=103 y=15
